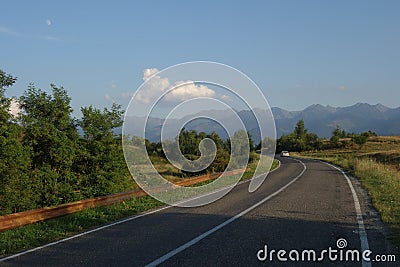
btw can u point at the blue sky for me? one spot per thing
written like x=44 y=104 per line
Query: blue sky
x=299 y=52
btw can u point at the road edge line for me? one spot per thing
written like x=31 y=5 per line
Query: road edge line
x=83 y=234
x=360 y=220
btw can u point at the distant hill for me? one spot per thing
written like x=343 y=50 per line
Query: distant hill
x=322 y=120
x=318 y=119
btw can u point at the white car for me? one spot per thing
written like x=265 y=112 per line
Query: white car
x=285 y=154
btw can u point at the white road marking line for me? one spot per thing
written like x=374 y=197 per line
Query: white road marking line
x=83 y=233
x=361 y=227
x=114 y=223
x=226 y=187
x=218 y=227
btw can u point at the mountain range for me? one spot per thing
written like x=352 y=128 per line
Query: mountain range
x=318 y=119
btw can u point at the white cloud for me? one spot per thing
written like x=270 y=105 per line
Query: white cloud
x=48 y=22
x=157 y=85
x=14 y=108
x=126 y=95
x=342 y=88
x=188 y=91
x=147 y=73
x=113 y=85
x=153 y=88
x=8 y=31
x=226 y=98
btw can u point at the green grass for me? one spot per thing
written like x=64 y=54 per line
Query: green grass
x=37 y=234
x=43 y=232
x=382 y=182
x=376 y=165
x=252 y=166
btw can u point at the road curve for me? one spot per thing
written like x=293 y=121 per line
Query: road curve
x=302 y=205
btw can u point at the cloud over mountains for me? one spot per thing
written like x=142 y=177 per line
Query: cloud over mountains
x=155 y=86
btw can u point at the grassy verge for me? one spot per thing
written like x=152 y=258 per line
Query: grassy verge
x=380 y=179
x=252 y=166
x=41 y=233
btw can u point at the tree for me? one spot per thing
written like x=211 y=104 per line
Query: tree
x=215 y=137
x=337 y=134
x=286 y=142
x=50 y=132
x=300 y=133
x=360 y=139
x=189 y=142
x=268 y=144
x=6 y=80
x=313 y=142
x=15 y=186
x=300 y=130
x=369 y=134
x=220 y=162
x=299 y=140
x=240 y=150
x=251 y=142
x=335 y=140
x=101 y=158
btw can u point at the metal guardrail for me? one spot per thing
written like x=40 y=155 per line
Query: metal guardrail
x=19 y=219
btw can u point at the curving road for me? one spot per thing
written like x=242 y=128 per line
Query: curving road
x=302 y=205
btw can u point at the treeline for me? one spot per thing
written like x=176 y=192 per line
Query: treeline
x=190 y=142
x=302 y=140
x=44 y=160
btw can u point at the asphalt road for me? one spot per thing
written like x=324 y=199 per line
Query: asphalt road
x=302 y=205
